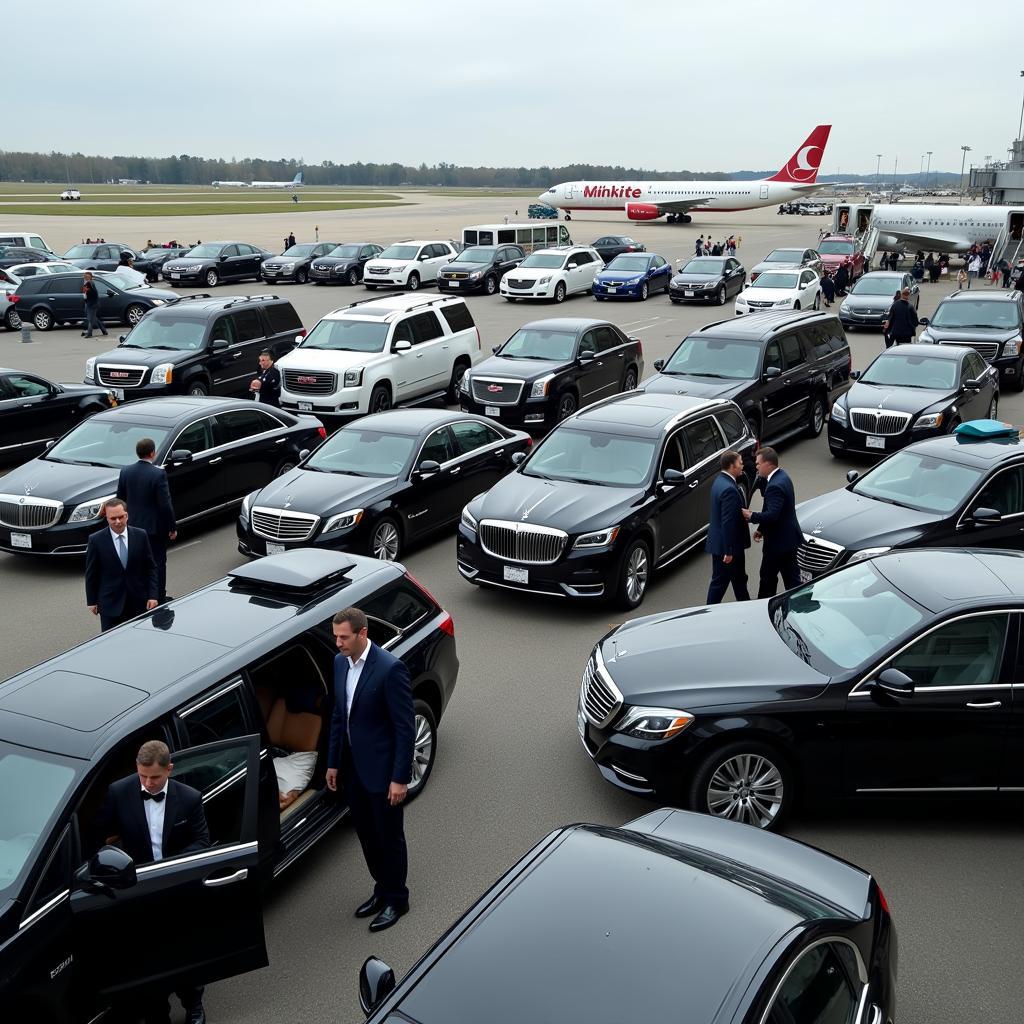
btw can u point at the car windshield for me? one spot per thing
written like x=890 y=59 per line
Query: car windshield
x=399 y=252
x=703 y=356
x=347 y=336
x=920 y=482
x=844 y=619
x=637 y=264
x=878 y=285
x=775 y=281
x=702 y=267
x=152 y=254
x=179 y=333
x=361 y=452
x=909 y=370
x=79 y=252
x=836 y=248
x=784 y=256
x=104 y=442
x=124 y=283
x=592 y=458
x=542 y=261
x=532 y=343
x=976 y=313
x=478 y=254
x=345 y=252
x=32 y=790
x=302 y=249
x=205 y=252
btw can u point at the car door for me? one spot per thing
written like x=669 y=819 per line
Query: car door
x=612 y=348
x=32 y=411
x=822 y=985
x=368 y=252
x=588 y=265
x=227 y=263
x=438 y=254
x=431 y=357
x=64 y=298
x=482 y=456
x=796 y=379
x=197 y=483
x=252 y=260
x=975 y=404
x=674 y=514
x=251 y=338
x=1003 y=492
x=734 y=277
x=808 y=289
x=252 y=444
x=947 y=736
x=228 y=368
x=775 y=414
x=436 y=497
x=208 y=904
x=112 y=299
x=703 y=444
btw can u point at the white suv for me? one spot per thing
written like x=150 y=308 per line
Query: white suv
x=408 y=264
x=553 y=273
x=378 y=353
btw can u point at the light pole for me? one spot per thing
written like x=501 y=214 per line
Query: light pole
x=963 y=160
x=928 y=173
x=895 y=164
x=920 y=171
x=1020 y=126
x=878 y=173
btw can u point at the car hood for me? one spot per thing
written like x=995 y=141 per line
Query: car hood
x=682 y=279
x=762 y=267
x=560 y=504
x=533 y=273
x=42 y=478
x=893 y=399
x=322 y=494
x=378 y=262
x=75 y=388
x=704 y=657
x=696 y=387
x=181 y=262
x=965 y=335
x=334 y=261
x=324 y=359
x=874 y=302
x=143 y=356
x=768 y=294
x=621 y=275
x=857 y=522
x=834 y=260
x=520 y=369
x=287 y=260
x=468 y=268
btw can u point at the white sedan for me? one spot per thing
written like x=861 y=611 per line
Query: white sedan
x=796 y=289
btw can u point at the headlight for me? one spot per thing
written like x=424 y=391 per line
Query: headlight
x=193 y=266
x=157 y=302
x=925 y=337
x=785 y=302
x=654 y=723
x=839 y=412
x=353 y=378
x=88 y=509
x=600 y=539
x=844 y=308
x=288 y=268
x=634 y=280
x=476 y=275
x=464 y=383
x=163 y=373
x=540 y=387
x=932 y=420
x=544 y=280
x=468 y=519
x=344 y=520
x=1012 y=347
x=246 y=504
x=90 y=368
x=396 y=270
x=867 y=553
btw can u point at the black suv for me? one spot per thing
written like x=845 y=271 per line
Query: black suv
x=480 y=268
x=236 y=670
x=550 y=368
x=13 y=255
x=344 y=263
x=783 y=369
x=613 y=493
x=198 y=345
x=212 y=262
x=990 y=322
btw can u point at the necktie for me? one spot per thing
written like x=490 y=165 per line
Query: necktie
x=122 y=550
x=158 y=797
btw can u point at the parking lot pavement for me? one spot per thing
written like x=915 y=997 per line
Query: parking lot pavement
x=510 y=767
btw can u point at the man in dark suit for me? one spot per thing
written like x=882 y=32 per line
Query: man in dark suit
x=776 y=523
x=371 y=743
x=728 y=533
x=266 y=386
x=120 y=574
x=144 y=487
x=151 y=817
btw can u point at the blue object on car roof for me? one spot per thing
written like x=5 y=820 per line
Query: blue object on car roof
x=985 y=430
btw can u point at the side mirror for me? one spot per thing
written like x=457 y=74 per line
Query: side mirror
x=973 y=385
x=771 y=371
x=181 y=456
x=298 y=339
x=852 y=476
x=401 y=346
x=586 y=357
x=923 y=321
x=110 y=294
x=425 y=257
x=219 y=345
x=303 y=455
x=376 y=983
x=495 y=348
x=985 y=517
x=427 y=467
x=518 y=458
x=659 y=364
x=108 y=869
x=895 y=683
x=855 y=375
x=121 y=338
x=50 y=444
x=222 y=257
x=671 y=477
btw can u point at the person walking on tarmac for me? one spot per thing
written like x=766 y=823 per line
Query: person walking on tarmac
x=842 y=280
x=828 y=288
x=901 y=321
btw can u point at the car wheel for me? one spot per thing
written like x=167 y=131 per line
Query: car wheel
x=212 y=278
x=720 y=295
x=385 y=540
x=133 y=314
x=634 y=574
x=424 y=747
x=458 y=372
x=796 y=305
x=11 y=320
x=560 y=291
x=43 y=319
x=745 y=781
x=815 y=416
x=414 y=281
x=567 y=405
x=817 y=301
x=301 y=276
x=197 y=389
x=491 y=284
x=644 y=292
x=993 y=407
x=380 y=399
x=352 y=277
x=630 y=382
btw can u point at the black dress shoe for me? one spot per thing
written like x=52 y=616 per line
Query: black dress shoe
x=197 y=1015
x=371 y=906
x=388 y=916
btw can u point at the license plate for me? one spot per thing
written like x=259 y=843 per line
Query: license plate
x=612 y=287
x=21 y=540
x=274 y=549
x=452 y=284
x=876 y=442
x=513 y=575
x=805 y=576
x=492 y=410
x=305 y=406
x=175 y=277
x=688 y=295
x=118 y=393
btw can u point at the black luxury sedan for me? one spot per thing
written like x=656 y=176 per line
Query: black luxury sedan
x=868 y=302
x=708 y=279
x=215 y=452
x=212 y=262
x=961 y=489
x=235 y=679
x=98 y=256
x=295 y=262
x=479 y=268
x=612 y=494
x=735 y=925
x=151 y=261
x=380 y=484
x=893 y=676
x=34 y=411
x=550 y=368
x=909 y=393
x=784 y=369
x=344 y=263
x=610 y=246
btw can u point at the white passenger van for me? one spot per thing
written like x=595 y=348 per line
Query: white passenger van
x=25 y=239
x=528 y=236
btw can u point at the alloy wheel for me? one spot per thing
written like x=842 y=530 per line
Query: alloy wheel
x=747 y=788
x=993 y=407
x=385 y=541
x=637 y=572
x=422 y=752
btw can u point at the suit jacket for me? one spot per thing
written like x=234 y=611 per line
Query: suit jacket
x=902 y=319
x=144 y=487
x=270 y=387
x=381 y=732
x=110 y=584
x=777 y=519
x=124 y=816
x=728 y=533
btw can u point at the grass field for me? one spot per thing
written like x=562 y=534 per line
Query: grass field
x=196 y=208
x=481 y=193
x=30 y=189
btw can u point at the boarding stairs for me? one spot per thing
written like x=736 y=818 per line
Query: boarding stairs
x=871 y=237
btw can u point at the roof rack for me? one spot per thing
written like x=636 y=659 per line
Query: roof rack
x=249 y=298
x=190 y=298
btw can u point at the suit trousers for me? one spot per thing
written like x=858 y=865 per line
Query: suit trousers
x=381 y=831
x=156 y=1008
x=158 y=545
x=131 y=609
x=722 y=575
x=772 y=565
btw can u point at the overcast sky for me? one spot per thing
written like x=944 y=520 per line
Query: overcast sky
x=704 y=86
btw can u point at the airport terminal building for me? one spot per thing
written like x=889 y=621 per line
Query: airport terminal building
x=1002 y=184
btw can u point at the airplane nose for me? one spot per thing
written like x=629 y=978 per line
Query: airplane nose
x=544 y=198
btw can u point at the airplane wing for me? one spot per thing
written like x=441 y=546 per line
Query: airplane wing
x=681 y=205
x=930 y=242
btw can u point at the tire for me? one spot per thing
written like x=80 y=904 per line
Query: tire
x=634 y=575
x=424 y=747
x=720 y=295
x=726 y=781
x=458 y=372
x=796 y=305
x=301 y=276
x=197 y=389
x=644 y=292
x=380 y=399
x=567 y=405
x=629 y=383
x=43 y=320
x=490 y=284
x=352 y=277
x=213 y=278
x=993 y=408
x=12 y=322
x=134 y=313
x=815 y=416
x=817 y=301
x=413 y=283
x=560 y=292
x=385 y=540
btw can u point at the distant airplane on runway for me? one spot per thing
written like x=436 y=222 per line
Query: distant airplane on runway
x=296 y=182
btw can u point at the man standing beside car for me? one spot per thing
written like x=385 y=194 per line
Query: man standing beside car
x=92 y=307
x=266 y=388
x=728 y=533
x=777 y=524
x=901 y=321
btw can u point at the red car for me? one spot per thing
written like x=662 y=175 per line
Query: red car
x=842 y=251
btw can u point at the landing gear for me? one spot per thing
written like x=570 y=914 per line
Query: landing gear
x=678 y=218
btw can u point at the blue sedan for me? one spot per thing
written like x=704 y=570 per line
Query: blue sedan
x=633 y=275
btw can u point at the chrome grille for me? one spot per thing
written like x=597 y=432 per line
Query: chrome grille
x=21 y=512
x=521 y=542
x=517 y=283
x=274 y=524
x=378 y=270
x=116 y=376
x=876 y=421
x=322 y=266
x=308 y=382
x=600 y=699
x=816 y=555
x=453 y=276
x=492 y=391
x=759 y=305
x=986 y=349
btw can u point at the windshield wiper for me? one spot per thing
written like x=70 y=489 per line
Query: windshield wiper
x=83 y=462
x=888 y=501
x=505 y=355
x=166 y=348
x=719 y=376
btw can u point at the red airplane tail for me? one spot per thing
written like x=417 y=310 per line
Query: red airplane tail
x=802 y=167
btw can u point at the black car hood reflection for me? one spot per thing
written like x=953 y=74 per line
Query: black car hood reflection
x=63 y=481
x=334 y=261
x=885 y=398
x=306 y=490
x=705 y=657
x=689 y=278
x=879 y=303
x=520 y=369
x=696 y=387
x=857 y=522
x=968 y=335
x=131 y=356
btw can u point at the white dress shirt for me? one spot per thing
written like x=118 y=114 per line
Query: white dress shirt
x=116 y=538
x=355 y=670
x=155 y=819
x=770 y=475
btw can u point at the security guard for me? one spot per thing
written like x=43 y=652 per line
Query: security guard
x=266 y=388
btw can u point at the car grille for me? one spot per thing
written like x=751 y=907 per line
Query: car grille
x=496 y=392
x=306 y=382
x=455 y=276
x=600 y=699
x=816 y=555
x=276 y=525
x=514 y=282
x=322 y=266
x=759 y=305
x=875 y=421
x=271 y=266
x=868 y=312
x=23 y=513
x=520 y=542
x=985 y=349
x=121 y=376
x=378 y=270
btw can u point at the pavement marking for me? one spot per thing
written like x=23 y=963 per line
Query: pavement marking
x=181 y=547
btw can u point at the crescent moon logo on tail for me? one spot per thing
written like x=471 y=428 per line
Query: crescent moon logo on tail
x=800 y=168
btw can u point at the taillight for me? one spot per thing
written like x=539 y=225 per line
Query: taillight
x=322 y=431
x=12 y=298
x=529 y=443
x=447 y=625
x=882 y=900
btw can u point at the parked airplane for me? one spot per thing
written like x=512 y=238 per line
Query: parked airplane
x=648 y=200
x=231 y=184
x=296 y=182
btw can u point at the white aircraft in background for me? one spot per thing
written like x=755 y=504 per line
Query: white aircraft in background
x=648 y=200
x=231 y=184
x=296 y=182
x=941 y=227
